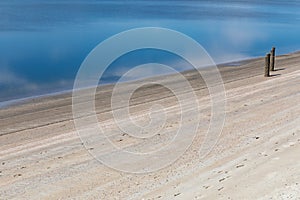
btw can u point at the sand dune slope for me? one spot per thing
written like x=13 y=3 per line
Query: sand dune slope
x=257 y=155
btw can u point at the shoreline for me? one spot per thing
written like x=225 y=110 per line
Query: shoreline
x=30 y=99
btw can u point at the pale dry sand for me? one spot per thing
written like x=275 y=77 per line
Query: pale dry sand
x=257 y=155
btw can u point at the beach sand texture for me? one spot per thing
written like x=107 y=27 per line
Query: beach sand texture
x=257 y=155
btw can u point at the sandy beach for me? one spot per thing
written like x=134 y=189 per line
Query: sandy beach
x=256 y=157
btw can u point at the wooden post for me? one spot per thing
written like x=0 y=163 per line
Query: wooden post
x=267 y=65
x=273 y=59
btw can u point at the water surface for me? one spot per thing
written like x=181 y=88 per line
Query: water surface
x=43 y=43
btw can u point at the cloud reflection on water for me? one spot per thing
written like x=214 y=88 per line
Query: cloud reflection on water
x=44 y=42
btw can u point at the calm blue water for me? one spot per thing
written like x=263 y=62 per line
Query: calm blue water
x=43 y=42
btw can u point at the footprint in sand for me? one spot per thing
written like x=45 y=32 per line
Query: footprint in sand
x=222 y=179
x=175 y=195
x=239 y=166
x=17 y=175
